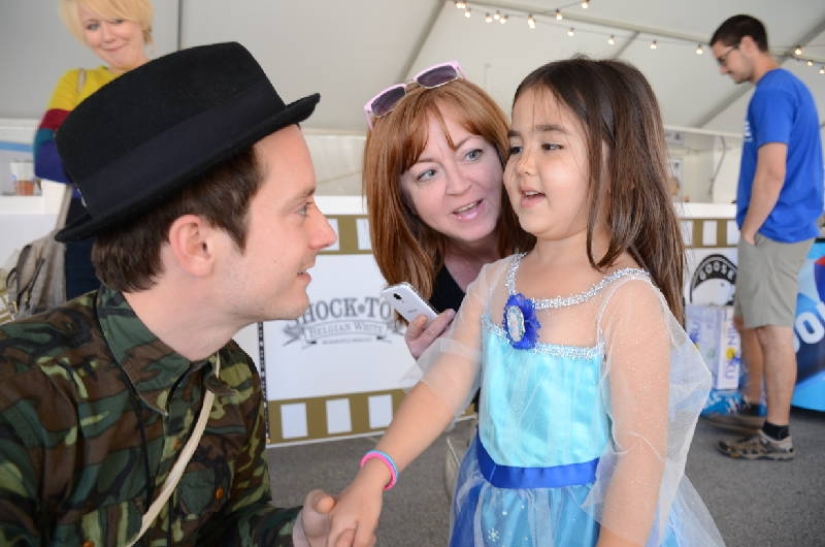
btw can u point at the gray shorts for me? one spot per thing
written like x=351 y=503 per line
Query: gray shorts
x=767 y=281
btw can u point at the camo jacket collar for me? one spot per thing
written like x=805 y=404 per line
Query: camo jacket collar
x=152 y=366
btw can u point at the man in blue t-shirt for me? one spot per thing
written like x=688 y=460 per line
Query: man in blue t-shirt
x=778 y=203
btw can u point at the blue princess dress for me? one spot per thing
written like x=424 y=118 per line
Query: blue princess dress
x=587 y=409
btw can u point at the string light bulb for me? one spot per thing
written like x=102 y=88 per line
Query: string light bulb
x=798 y=50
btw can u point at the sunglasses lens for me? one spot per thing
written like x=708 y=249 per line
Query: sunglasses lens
x=438 y=76
x=386 y=101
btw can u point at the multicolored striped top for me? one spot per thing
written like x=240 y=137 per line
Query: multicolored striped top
x=69 y=92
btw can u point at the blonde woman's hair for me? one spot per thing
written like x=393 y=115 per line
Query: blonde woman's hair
x=139 y=11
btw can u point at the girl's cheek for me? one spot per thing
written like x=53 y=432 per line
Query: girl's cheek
x=508 y=174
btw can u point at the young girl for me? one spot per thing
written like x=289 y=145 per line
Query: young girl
x=433 y=165
x=590 y=388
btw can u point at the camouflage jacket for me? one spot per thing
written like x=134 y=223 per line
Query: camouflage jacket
x=93 y=411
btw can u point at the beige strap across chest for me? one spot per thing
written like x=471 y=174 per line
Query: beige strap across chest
x=183 y=460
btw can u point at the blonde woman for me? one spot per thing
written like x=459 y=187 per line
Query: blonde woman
x=118 y=32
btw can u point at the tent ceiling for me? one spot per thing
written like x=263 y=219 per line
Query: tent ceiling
x=349 y=50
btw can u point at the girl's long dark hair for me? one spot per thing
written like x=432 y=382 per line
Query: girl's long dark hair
x=618 y=109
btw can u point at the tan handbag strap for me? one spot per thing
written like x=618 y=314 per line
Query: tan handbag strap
x=81 y=79
x=183 y=460
x=63 y=212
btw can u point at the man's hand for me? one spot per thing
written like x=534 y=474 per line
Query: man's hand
x=312 y=525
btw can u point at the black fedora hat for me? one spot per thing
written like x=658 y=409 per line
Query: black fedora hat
x=160 y=126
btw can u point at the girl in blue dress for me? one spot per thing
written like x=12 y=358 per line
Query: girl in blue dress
x=590 y=388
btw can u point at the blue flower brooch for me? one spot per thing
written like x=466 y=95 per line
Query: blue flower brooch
x=520 y=322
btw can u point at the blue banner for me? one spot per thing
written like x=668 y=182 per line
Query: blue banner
x=809 y=331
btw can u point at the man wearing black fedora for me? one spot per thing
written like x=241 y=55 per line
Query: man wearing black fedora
x=128 y=415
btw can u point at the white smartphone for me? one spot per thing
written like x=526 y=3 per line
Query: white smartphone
x=407 y=302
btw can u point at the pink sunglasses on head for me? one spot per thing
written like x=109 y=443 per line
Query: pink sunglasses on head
x=435 y=76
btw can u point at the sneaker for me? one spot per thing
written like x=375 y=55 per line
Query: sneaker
x=736 y=414
x=758 y=447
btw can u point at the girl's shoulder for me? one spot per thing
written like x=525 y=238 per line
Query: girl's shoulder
x=630 y=283
x=632 y=294
x=492 y=274
x=501 y=265
x=601 y=287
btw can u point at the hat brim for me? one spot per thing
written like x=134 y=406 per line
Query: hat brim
x=204 y=158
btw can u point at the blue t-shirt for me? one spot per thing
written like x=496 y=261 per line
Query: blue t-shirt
x=782 y=110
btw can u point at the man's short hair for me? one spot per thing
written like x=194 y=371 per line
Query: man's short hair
x=127 y=257
x=731 y=32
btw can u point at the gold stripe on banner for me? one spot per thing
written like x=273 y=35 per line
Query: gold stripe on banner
x=722 y=233
x=315 y=414
x=698 y=234
x=708 y=233
x=356 y=414
x=348 y=236
x=318 y=412
x=705 y=233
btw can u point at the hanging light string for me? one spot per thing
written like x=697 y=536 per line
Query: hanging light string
x=561 y=17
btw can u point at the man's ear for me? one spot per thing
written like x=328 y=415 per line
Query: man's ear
x=191 y=244
x=748 y=46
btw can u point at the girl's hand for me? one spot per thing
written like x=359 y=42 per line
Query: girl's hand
x=355 y=515
x=420 y=335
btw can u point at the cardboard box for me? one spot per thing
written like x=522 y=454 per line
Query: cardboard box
x=711 y=329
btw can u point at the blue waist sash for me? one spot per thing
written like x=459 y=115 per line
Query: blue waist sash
x=505 y=476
